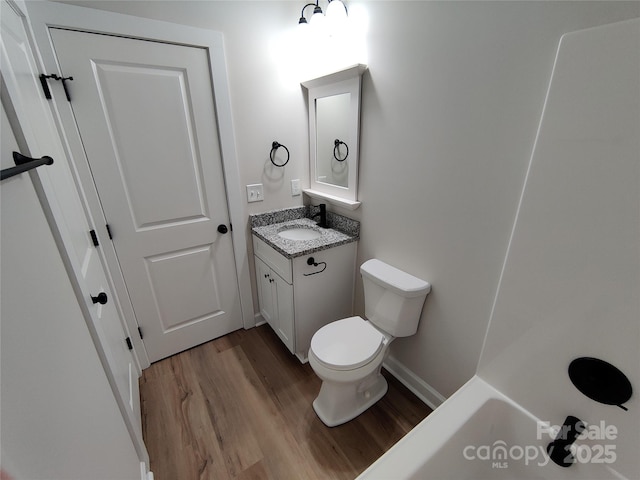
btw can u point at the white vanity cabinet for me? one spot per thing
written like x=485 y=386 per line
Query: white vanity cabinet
x=299 y=295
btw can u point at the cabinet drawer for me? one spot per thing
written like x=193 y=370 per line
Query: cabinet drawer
x=279 y=263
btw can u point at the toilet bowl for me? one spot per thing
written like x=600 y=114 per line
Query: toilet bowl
x=347 y=354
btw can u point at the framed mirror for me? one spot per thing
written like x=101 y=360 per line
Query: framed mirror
x=334 y=133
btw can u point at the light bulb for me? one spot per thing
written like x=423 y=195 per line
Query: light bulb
x=336 y=10
x=317 y=19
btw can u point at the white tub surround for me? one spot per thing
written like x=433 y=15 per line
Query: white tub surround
x=480 y=433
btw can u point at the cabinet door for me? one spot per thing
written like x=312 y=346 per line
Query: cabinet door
x=283 y=298
x=265 y=296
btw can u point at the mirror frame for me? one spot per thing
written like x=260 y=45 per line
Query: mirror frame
x=348 y=80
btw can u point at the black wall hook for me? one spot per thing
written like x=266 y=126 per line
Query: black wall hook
x=274 y=148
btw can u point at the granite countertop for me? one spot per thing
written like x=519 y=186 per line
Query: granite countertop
x=266 y=226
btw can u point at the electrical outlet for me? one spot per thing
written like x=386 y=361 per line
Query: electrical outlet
x=255 y=193
x=295 y=187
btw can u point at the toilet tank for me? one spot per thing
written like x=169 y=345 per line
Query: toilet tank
x=393 y=299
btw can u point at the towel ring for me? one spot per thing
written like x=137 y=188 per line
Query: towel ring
x=336 y=144
x=274 y=148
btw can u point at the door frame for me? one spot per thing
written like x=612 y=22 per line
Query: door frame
x=44 y=15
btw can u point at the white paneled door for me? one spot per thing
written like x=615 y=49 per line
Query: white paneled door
x=145 y=113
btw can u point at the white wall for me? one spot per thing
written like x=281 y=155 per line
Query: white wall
x=451 y=103
x=571 y=280
x=456 y=115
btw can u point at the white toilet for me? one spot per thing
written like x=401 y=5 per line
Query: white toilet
x=347 y=354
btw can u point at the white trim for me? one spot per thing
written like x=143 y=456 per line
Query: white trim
x=144 y=475
x=334 y=77
x=337 y=201
x=44 y=15
x=418 y=387
x=259 y=320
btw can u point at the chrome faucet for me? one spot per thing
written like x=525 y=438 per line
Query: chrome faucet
x=323 y=216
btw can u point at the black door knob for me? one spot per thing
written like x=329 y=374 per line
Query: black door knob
x=222 y=228
x=101 y=298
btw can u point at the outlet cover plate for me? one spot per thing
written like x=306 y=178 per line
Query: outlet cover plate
x=295 y=187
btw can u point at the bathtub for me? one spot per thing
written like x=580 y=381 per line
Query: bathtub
x=479 y=433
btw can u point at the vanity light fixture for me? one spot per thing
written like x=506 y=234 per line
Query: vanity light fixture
x=336 y=12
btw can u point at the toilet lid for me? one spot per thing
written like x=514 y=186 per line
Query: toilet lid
x=347 y=344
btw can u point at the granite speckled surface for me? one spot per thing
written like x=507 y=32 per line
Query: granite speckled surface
x=266 y=226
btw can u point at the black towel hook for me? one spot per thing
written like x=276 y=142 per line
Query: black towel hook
x=336 y=151
x=274 y=147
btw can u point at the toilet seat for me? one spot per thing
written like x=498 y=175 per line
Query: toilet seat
x=347 y=344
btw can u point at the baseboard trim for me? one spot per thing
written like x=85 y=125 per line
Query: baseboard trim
x=418 y=387
x=258 y=320
x=144 y=475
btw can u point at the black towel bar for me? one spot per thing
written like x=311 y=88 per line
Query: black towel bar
x=24 y=164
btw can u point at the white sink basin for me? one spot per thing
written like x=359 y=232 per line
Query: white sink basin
x=298 y=233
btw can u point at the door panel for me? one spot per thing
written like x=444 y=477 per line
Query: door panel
x=283 y=293
x=181 y=304
x=146 y=116
x=163 y=132
x=265 y=296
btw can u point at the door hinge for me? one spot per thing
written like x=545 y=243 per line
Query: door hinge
x=94 y=238
x=140 y=333
x=129 y=345
x=45 y=85
x=109 y=231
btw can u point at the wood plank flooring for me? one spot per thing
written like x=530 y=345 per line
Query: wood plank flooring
x=239 y=407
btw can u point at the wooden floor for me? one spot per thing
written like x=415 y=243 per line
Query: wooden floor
x=239 y=407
